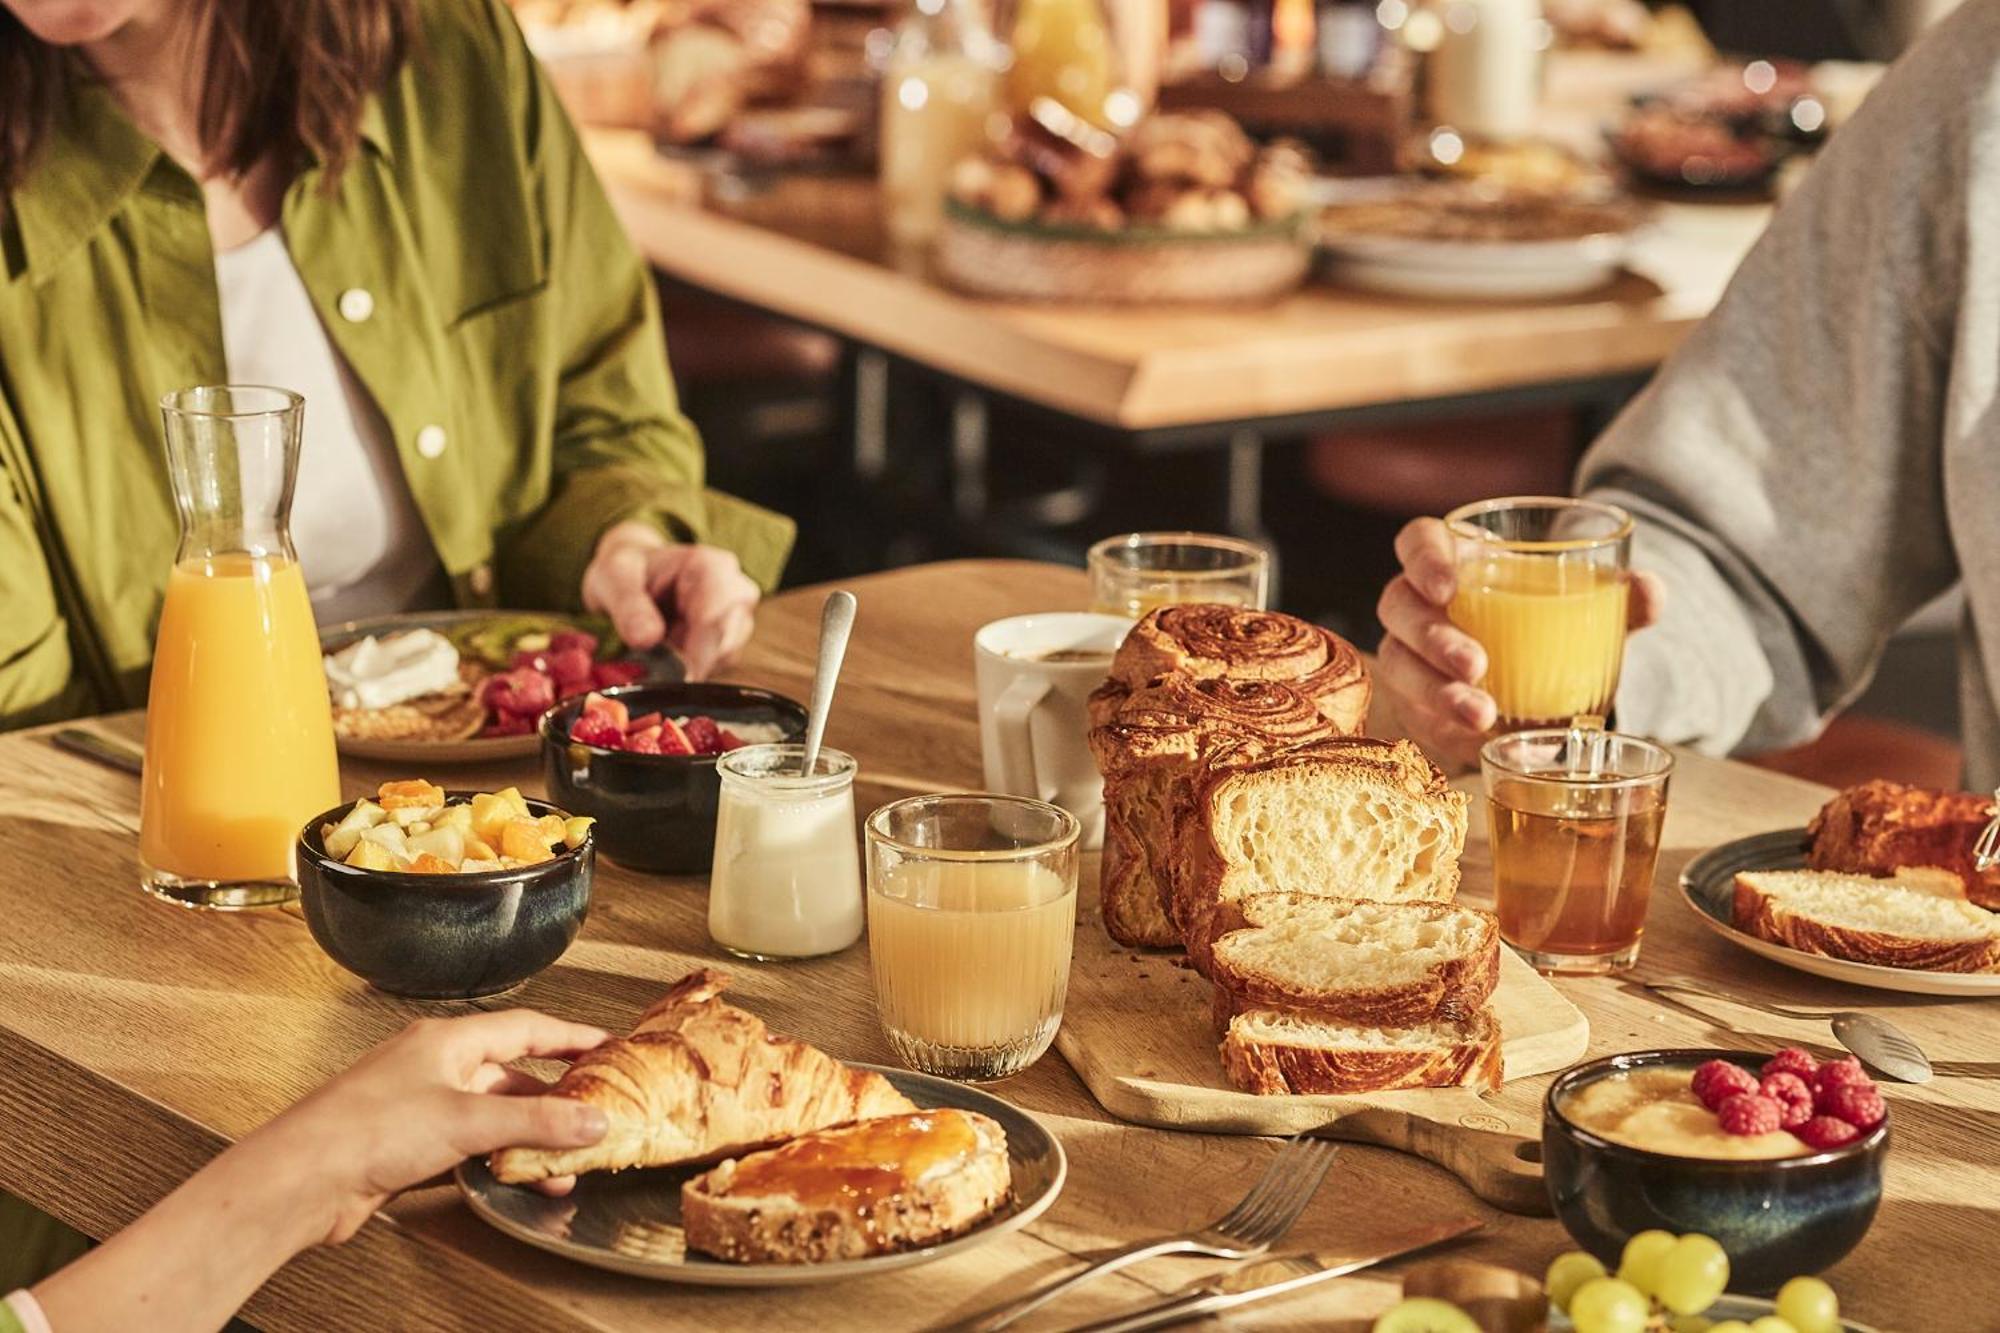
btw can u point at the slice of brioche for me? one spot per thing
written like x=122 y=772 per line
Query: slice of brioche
x=1340 y=818
x=893 y=1183
x=1913 y=921
x=1277 y=1051
x=1356 y=961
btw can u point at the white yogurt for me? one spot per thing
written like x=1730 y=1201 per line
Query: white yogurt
x=380 y=673
x=786 y=882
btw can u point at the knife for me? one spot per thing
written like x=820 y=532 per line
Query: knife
x=1261 y=1279
x=121 y=755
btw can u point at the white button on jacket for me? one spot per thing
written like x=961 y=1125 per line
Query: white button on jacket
x=431 y=441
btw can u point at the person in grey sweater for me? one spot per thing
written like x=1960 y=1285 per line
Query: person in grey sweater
x=1818 y=460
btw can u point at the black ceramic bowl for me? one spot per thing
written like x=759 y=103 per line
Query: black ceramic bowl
x=655 y=811
x=444 y=937
x=1776 y=1218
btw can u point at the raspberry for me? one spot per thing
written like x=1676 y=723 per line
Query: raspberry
x=1861 y=1107
x=703 y=734
x=529 y=660
x=1835 y=1073
x=1792 y=1060
x=644 y=742
x=567 y=639
x=522 y=690
x=1825 y=1131
x=597 y=729
x=509 y=724
x=1750 y=1113
x=607 y=674
x=1790 y=1092
x=1716 y=1081
x=572 y=669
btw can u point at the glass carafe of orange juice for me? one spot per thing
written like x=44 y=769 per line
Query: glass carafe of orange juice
x=1064 y=50
x=239 y=730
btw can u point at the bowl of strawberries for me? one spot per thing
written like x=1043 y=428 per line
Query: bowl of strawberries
x=1778 y=1157
x=640 y=760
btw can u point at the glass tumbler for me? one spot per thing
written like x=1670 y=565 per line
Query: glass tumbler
x=239 y=726
x=971 y=916
x=1575 y=817
x=1144 y=571
x=1542 y=586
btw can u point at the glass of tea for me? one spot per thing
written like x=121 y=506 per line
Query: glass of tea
x=1575 y=816
x=1542 y=586
x=971 y=915
x=1144 y=571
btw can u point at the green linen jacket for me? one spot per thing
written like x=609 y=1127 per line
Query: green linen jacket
x=468 y=267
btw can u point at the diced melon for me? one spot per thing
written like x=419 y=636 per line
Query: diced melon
x=489 y=815
x=478 y=849
x=575 y=829
x=340 y=838
x=454 y=816
x=512 y=796
x=367 y=854
x=447 y=843
x=390 y=837
x=426 y=864
x=474 y=865
x=408 y=816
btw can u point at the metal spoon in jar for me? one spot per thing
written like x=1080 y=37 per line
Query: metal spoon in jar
x=1880 y=1044
x=836 y=622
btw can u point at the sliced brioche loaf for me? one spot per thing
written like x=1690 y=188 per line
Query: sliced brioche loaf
x=881 y=1185
x=1356 y=961
x=1276 y=1051
x=1918 y=922
x=1338 y=817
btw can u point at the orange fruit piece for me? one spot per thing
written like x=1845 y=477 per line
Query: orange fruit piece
x=522 y=840
x=414 y=794
x=429 y=864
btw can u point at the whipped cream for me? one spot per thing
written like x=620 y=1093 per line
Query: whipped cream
x=380 y=673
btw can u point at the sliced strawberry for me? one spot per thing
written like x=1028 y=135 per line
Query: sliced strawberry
x=672 y=739
x=703 y=734
x=522 y=690
x=643 y=721
x=608 y=674
x=597 y=729
x=643 y=742
x=596 y=705
x=564 y=640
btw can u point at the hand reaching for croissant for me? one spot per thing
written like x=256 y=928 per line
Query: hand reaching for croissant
x=1428 y=669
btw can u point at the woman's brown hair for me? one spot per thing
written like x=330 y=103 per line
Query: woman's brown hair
x=283 y=78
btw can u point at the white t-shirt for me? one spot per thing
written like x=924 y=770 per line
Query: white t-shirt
x=361 y=542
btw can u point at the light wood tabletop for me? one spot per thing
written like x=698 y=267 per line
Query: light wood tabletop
x=811 y=249
x=139 y=1039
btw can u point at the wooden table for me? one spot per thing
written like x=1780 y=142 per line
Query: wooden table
x=139 y=1039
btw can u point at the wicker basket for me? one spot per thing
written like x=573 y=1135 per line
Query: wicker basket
x=1034 y=261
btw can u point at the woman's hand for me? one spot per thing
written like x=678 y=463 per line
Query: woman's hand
x=1429 y=668
x=697 y=598
x=425 y=1100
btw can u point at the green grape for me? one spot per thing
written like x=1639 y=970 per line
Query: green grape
x=1425 y=1314
x=1729 y=1326
x=1568 y=1272
x=1809 y=1305
x=1691 y=1275
x=1689 y=1323
x=1608 y=1305
x=1771 y=1323
x=1639 y=1266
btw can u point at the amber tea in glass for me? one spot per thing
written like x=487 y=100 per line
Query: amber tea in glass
x=1575 y=818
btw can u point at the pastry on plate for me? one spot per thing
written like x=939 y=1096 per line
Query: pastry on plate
x=1919 y=920
x=699 y=1080
x=1880 y=827
x=882 y=1185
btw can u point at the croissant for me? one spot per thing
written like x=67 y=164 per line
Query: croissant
x=699 y=1080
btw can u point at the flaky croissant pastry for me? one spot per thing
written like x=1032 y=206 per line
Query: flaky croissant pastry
x=699 y=1080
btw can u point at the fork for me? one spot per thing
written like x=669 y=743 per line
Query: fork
x=1257 y=1222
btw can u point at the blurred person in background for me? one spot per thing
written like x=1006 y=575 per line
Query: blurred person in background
x=379 y=204
x=1820 y=459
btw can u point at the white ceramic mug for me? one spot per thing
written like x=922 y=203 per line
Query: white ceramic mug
x=1033 y=723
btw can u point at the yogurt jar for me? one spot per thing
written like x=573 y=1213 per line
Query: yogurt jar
x=786 y=881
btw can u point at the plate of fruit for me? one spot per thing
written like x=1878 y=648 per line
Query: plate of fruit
x=469 y=686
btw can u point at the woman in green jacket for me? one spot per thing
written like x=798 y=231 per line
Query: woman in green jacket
x=380 y=203
x=376 y=199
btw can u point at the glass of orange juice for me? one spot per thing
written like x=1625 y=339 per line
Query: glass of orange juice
x=1542 y=586
x=971 y=915
x=239 y=727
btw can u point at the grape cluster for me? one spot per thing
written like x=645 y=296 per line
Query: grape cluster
x=1671 y=1280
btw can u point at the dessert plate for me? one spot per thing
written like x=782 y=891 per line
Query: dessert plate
x=630 y=1221
x=662 y=667
x=1708 y=884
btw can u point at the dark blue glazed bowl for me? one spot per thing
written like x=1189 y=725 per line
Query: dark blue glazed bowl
x=655 y=811
x=444 y=937
x=1776 y=1219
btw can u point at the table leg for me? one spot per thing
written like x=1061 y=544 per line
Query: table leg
x=968 y=456
x=1243 y=495
x=871 y=413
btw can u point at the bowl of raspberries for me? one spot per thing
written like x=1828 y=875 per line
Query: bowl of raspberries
x=640 y=760
x=1778 y=1157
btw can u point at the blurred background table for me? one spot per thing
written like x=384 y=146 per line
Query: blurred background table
x=139 y=1039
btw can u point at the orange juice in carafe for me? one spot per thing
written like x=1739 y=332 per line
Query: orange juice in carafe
x=1063 y=50
x=239 y=728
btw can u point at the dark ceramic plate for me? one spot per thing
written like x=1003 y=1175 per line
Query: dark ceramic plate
x=661 y=666
x=630 y=1221
x=1708 y=884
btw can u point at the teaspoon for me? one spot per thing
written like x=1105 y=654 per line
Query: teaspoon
x=1880 y=1044
x=836 y=622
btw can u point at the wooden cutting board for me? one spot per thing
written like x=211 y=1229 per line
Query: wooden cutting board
x=1136 y=1028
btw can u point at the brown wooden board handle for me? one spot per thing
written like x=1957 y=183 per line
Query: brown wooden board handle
x=1497 y=1155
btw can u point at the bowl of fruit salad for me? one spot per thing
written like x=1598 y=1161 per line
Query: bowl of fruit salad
x=445 y=895
x=1778 y=1158
x=641 y=761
